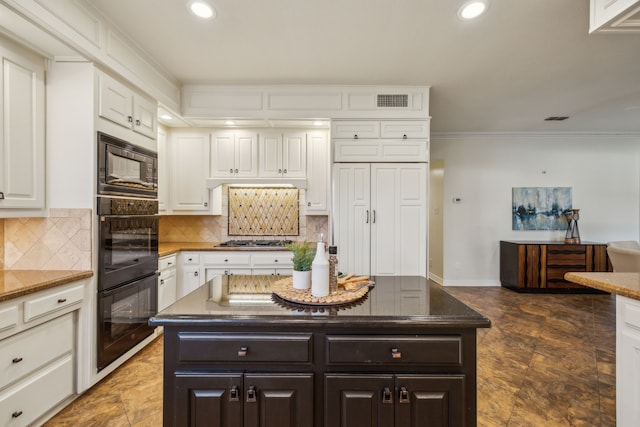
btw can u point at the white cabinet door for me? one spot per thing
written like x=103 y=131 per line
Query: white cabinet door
x=234 y=154
x=190 y=169
x=246 y=154
x=190 y=281
x=270 y=155
x=145 y=116
x=22 y=119
x=115 y=101
x=318 y=194
x=352 y=219
x=398 y=219
x=294 y=155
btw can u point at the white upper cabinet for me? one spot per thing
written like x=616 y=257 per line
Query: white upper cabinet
x=190 y=169
x=119 y=104
x=283 y=155
x=234 y=154
x=22 y=120
x=318 y=195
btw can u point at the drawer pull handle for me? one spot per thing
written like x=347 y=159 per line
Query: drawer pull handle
x=234 y=395
x=396 y=354
x=16 y=414
x=404 y=395
x=251 y=394
x=16 y=360
x=387 y=397
x=61 y=300
x=243 y=351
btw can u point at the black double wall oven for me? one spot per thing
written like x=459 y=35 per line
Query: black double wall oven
x=128 y=246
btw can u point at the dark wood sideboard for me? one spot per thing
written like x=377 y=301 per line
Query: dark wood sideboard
x=539 y=266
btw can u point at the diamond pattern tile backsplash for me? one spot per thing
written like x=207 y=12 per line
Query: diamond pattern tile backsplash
x=263 y=211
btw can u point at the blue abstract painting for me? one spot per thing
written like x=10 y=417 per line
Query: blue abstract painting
x=540 y=208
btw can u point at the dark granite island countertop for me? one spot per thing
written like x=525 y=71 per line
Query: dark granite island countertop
x=237 y=354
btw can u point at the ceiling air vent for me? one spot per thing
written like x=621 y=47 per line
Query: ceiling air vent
x=394 y=101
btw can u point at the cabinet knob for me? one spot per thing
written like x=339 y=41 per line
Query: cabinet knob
x=226 y=260
x=236 y=171
x=285 y=171
x=1 y=195
x=243 y=351
x=206 y=204
x=279 y=170
x=404 y=136
x=395 y=354
x=308 y=203
x=16 y=360
x=130 y=119
x=275 y=260
x=387 y=397
x=162 y=281
x=251 y=394
x=404 y=395
x=137 y=122
x=355 y=136
x=234 y=394
x=231 y=170
x=195 y=273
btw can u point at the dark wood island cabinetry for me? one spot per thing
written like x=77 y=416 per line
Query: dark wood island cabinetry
x=404 y=355
x=538 y=266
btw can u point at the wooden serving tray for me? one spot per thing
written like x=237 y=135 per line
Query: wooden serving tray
x=285 y=290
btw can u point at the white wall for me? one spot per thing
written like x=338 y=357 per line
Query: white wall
x=604 y=172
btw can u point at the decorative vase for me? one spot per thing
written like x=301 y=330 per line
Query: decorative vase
x=301 y=279
x=573 y=234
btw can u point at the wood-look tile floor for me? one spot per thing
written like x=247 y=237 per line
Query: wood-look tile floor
x=548 y=360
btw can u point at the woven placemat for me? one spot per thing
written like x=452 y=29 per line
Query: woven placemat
x=285 y=290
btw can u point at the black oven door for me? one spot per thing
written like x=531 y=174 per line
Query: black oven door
x=123 y=317
x=128 y=249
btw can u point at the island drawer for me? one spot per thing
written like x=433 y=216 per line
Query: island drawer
x=243 y=347
x=394 y=349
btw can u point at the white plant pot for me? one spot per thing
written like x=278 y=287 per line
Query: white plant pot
x=301 y=279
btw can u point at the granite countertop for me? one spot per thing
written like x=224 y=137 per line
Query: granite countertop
x=16 y=283
x=625 y=284
x=393 y=301
x=165 y=249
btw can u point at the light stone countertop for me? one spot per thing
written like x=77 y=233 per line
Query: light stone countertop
x=625 y=284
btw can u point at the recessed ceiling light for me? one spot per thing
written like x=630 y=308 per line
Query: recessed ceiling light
x=229 y=123
x=202 y=9
x=473 y=9
x=165 y=117
x=317 y=123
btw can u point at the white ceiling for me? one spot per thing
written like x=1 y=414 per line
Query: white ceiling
x=521 y=62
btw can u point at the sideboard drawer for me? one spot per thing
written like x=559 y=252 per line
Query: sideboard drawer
x=566 y=255
x=444 y=350
x=229 y=347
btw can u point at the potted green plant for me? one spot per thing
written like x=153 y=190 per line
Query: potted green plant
x=303 y=254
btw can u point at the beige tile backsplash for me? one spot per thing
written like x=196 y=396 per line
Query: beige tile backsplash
x=60 y=242
x=208 y=228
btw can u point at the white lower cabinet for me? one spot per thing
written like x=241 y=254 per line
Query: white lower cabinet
x=167 y=281
x=190 y=273
x=380 y=218
x=38 y=354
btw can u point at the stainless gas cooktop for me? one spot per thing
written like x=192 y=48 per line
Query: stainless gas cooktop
x=253 y=243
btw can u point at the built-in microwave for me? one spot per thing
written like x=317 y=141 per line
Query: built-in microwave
x=125 y=169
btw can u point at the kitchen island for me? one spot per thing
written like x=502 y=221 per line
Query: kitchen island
x=626 y=286
x=237 y=355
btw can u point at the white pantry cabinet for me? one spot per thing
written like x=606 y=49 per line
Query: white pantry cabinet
x=234 y=154
x=22 y=123
x=380 y=218
x=318 y=192
x=38 y=349
x=282 y=154
x=121 y=105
